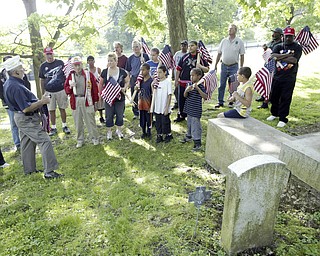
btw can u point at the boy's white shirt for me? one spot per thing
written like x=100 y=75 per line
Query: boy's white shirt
x=164 y=89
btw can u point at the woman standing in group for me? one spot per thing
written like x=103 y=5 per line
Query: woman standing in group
x=111 y=77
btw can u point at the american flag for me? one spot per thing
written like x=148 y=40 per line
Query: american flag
x=264 y=79
x=233 y=83
x=166 y=57
x=67 y=68
x=139 y=79
x=156 y=80
x=111 y=91
x=145 y=47
x=307 y=41
x=204 y=52
x=211 y=82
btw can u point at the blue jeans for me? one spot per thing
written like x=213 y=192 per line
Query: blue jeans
x=226 y=71
x=14 y=129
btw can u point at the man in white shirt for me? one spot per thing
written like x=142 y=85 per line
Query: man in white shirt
x=229 y=50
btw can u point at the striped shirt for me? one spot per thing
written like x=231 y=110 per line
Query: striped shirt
x=193 y=105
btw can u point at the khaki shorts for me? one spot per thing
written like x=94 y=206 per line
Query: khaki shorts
x=58 y=98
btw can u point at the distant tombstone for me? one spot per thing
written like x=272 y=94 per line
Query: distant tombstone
x=253 y=190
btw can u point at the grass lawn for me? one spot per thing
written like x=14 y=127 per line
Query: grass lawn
x=130 y=196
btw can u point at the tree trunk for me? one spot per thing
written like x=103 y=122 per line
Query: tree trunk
x=35 y=39
x=177 y=23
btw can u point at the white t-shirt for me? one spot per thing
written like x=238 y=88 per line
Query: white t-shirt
x=231 y=50
x=161 y=96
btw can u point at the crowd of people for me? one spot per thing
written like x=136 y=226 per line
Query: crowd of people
x=92 y=89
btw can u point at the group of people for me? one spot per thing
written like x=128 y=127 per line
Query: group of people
x=92 y=89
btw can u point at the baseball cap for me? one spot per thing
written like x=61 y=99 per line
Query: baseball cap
x=184 y=42
x=12 y=63
x=90 y=58
x=278 y=30
x=48 y=50
x=76 y=60
x=288 y=31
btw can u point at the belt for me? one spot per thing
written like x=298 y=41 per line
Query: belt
x=230 y=64
x=79 y=95
x=28 y=113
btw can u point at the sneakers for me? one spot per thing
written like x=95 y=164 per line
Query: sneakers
x=219 y=105
x=135 y=117
x=79 y=144
x=168 y=138
x=186 y=139
x=260 y=99
x=159 y=139
x=66 y=130
x=52 y=175
x=4 y=165
x=53 y=132
x=271 y=118
x=102 y=120
x=230 y=104
x=196 y=148
x=281 y=124
x=179 y=119
x=109 y=135
x=95 y=142
x=263 y=105
x=119 y=133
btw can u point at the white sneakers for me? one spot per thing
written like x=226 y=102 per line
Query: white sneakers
x=95 y=142
x=4 y=165
x=109 y=135
x=281 y=124
x=79 y=144
x=271 y=118
x=119 y=133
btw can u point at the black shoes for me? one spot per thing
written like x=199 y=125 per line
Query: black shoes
x=264 y=105
x=186 y=139
x=219 y=105
x=230 y=105
x=52 y=175
x=168 y=138
x=53 y=132
x=102 y=121
x=66 y=130
x=35 y=171
x=179 y=119
x=159 y=139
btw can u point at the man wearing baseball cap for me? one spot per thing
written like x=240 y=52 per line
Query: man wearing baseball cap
x=277 y=38
x=52 y=80
x=287 y=56
x=25 y=106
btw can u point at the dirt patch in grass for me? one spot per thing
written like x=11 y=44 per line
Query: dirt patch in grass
x=302 y=130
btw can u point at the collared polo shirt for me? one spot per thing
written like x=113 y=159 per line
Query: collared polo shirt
x=231 y=50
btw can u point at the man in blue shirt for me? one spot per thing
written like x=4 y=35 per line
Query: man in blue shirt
x=26 y=115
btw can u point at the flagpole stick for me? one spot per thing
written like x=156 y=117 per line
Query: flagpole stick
x=73 y=81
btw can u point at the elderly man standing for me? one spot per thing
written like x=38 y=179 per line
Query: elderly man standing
x=26 y=115
x=52 y=79
x=82 y=87
x=229 y=50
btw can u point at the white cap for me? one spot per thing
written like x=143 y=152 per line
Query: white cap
x=12 y=63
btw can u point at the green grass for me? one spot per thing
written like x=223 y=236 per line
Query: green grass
x=130 y=197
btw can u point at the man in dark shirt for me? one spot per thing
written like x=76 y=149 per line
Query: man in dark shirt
x=133 y=67
x=277 y=36
x=14 y=128
x=49 y=70
x=26 y=115
x=184 y=67
x=287 y=56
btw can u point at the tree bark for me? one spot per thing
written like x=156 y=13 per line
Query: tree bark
x=35 y=39
x=177 y=23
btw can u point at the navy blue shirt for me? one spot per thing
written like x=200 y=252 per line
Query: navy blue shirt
x=16 y=95
x=47 y=76
x=134 y=62
x=193 y=105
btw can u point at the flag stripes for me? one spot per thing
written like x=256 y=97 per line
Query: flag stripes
x=166 y=57
x=211 y=82
x=145 y=47
x=306 y=40
x=204 y=52
x=111 y=91
x=264 y=79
